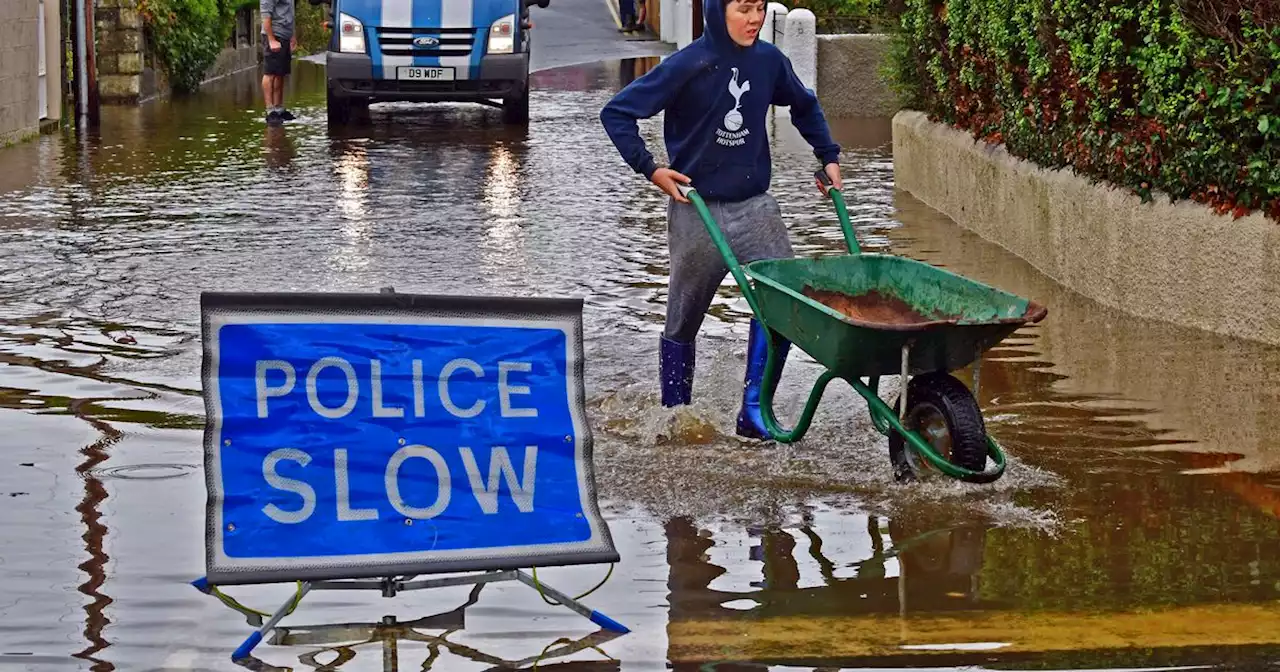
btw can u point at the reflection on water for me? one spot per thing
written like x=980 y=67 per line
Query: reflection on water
x=351 y=167
x=95 y=494
x=502 y=199
x=411 y=644
x=1137 y=524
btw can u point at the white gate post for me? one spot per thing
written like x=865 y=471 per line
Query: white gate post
x=801 y=46
x=684 y=19
x=666 y=21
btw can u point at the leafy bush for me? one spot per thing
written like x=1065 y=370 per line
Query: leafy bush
x=313 y=37
x=187 y=35
x=1174 y=95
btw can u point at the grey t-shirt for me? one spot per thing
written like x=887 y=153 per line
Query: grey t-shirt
x=281 y=13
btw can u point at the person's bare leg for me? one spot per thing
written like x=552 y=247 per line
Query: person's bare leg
x=268 y=91
x=279 y=90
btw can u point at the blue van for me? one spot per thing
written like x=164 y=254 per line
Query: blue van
x=429 y=51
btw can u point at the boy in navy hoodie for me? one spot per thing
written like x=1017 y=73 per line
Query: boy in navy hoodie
x=716 y=93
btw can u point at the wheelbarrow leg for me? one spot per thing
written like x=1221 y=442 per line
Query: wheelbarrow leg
x=750 y=419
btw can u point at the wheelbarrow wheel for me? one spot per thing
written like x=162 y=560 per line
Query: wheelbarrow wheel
x=945 y=414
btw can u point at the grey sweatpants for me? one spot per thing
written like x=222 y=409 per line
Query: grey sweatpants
x=754 y=230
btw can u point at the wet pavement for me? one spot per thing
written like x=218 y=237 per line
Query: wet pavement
x=1136 y=526
x=570 y=32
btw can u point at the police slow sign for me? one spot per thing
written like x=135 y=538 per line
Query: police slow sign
x=365 y=435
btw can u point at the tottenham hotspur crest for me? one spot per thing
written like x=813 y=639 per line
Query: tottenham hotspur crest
x=733 y=134
x=733 y=120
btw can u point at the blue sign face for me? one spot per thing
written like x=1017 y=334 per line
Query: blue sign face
x=373 y=442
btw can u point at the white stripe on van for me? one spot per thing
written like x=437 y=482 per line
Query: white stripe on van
x=396 y=14
x=457 y=14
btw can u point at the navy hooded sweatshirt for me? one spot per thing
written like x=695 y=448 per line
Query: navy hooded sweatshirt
x=716 y=95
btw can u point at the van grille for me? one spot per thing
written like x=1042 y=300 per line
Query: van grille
x=452 y=41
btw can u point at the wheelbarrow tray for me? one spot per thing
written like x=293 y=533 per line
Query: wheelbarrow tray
x=958 y=318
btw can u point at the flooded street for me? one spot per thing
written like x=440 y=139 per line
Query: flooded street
x=1136 y=525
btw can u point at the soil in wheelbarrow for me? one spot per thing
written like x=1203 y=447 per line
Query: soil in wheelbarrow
x=872 y=307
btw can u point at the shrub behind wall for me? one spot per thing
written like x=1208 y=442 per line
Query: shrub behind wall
x=188 y=34
x=1182 y=96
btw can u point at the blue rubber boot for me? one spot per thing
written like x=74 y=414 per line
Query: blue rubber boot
x=675 y=364
x=750 y=420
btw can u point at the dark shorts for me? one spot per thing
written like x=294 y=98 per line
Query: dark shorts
x=276 y=62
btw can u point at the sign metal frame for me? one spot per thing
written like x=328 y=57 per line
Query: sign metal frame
x=222 y=308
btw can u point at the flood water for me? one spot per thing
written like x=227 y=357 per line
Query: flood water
x=1136 y=525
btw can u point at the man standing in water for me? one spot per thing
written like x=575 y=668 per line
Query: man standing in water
x=279 y=41
x=627 y=15
x=716 y=94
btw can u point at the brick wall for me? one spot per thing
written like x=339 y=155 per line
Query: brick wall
x=19 y=101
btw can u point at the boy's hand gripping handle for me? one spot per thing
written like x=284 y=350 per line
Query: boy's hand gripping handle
x=824 y=179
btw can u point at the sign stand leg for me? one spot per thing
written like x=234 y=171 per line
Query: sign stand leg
x=594 y=616
x=390 y=587
x=247 y=647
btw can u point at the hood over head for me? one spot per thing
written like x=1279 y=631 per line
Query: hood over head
x=714 y=28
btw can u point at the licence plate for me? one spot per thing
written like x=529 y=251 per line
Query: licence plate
x=424 y=73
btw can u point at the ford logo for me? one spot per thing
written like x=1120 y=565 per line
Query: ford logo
x=426 y=42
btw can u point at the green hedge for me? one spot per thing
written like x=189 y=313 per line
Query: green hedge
x=1182 y=96
x=186 y=35
x=313 y=37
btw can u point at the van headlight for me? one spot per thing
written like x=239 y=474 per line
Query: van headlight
x=502 y=35
x=350 y=35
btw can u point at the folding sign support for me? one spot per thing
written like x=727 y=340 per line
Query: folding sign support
x=390 y=587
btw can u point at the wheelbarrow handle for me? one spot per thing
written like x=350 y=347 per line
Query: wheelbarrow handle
x=824 y=179
x=842 y=212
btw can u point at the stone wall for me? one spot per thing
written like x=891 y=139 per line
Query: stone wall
x=1147 y=382
x=128 y=72
x=119 y=37
x=19 y=99
x=243 y=50
x=850 y=83
x=1174 y=262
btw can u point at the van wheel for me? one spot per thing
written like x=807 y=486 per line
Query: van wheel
x=515 y=109
x=338 y=109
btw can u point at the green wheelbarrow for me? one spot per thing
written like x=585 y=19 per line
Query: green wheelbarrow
x=865 y=315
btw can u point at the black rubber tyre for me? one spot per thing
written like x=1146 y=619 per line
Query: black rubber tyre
x=515 y=110
x=337 y=109
x=941 y=402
